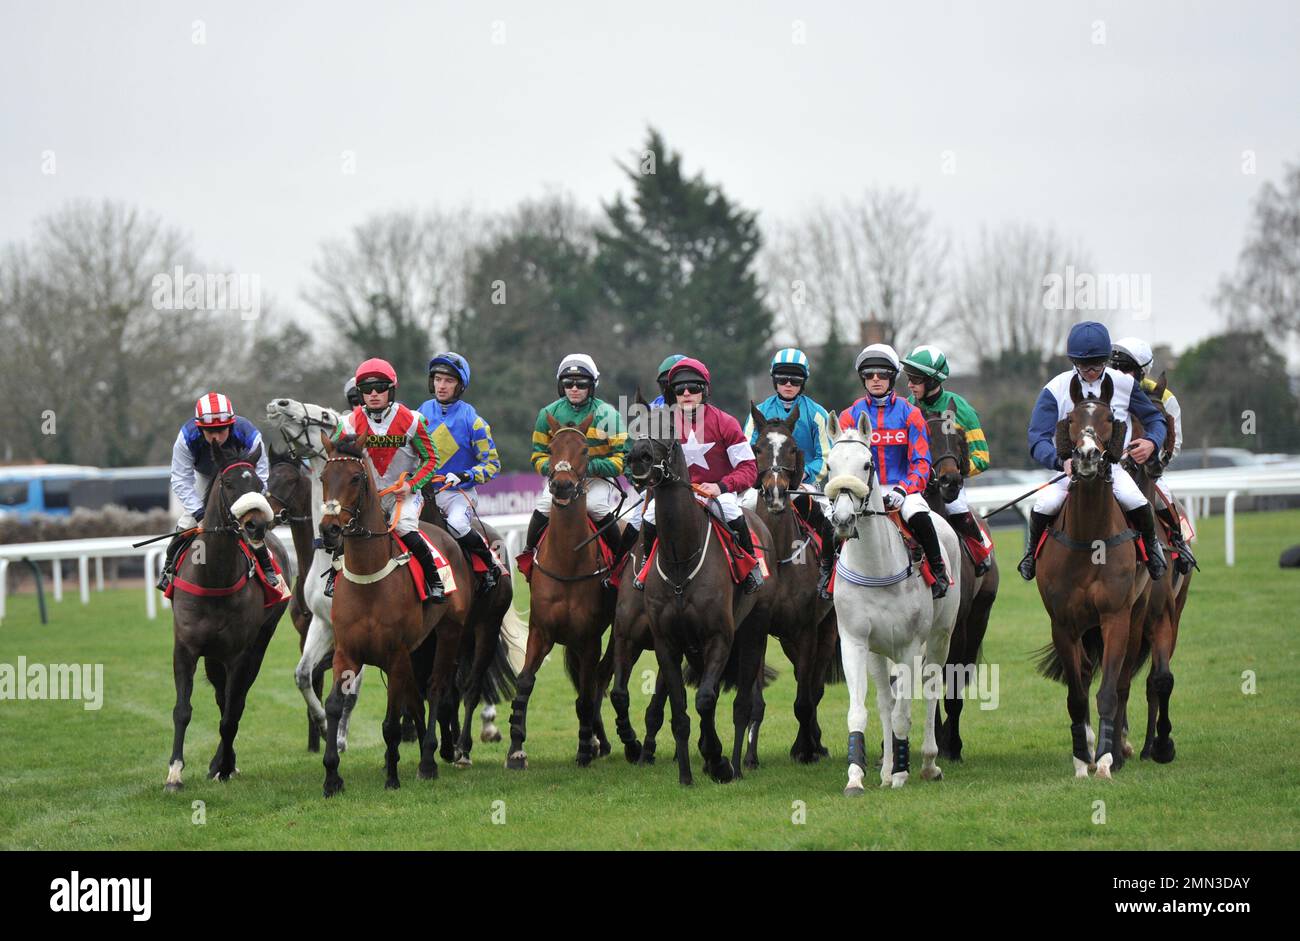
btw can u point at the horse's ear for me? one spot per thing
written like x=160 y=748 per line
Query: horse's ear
x=255 y=455
x=759 y=418
x=835 y=427
x=1064 y=446
x=793 y=418
x=327 y=444
x=864 y=424
x=586 y=423
x=552 y=423
x=1076 y=389
x=1107 y=388
x=640 y=399
x=1161 y=384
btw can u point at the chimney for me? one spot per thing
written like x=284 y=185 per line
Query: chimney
x=871 y=330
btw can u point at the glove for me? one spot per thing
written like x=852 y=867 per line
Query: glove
x=450 y=480
x=894 y=499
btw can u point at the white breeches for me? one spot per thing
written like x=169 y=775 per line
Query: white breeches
x=602 y=498
x=728 y=503
x=409 y=521
x=1166 y=494
x=1051 y=498
x=959 y=505
x=635 y=518
x=455 y=505
x=914 y=503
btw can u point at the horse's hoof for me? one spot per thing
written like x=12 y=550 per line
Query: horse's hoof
x=1081 y=768
x=647 y=758
x=583 y=759
x=448 y=755
x=313 y=746
x=1127 y=750
x=854 y=790
x=604 y=750
x=1104 y=764
x=333 y=787
x=1163 y=753
x=932 y=774
x=490 y=733
x=171 y=787
x=899 y=779
x=392 y=784
x=463 y=762
x=517 y=761
x=343 y=745
x=685 y=780
x=632 y=751
x=722 y=772
x=751 y=763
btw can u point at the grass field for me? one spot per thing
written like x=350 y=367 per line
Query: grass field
x=77 y=779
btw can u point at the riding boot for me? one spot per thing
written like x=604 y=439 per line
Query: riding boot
x=535 y=527
x=1038 y=523
x=648 y=537
x=1143 y=519
x=263 y=553
x=473 y=544
x=416 y=545
x=965 y=525
x=1185 y=559
x=922 y=528
x=740 y=528
x=165 y=576
x=830 y=552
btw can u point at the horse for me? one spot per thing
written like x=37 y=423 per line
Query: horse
x=485 y=671
x=1164 y=612
x=695 y=610
x=885 y=612
x=378 y=619
x=219 y=612
x=949 y=460
x=306 y=429
x=288 y=490
x=800 y=619
x=567 y=604
x=1096 y=607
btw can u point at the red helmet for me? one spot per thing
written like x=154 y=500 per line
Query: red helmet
x=213 y=411
x=376 y=369
x=689 y=366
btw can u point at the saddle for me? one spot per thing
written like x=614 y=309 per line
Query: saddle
x=1124 y=535
x=739 y=562
x=524 y=561
x=440 y=561
x=272 y=595
x=915 y=553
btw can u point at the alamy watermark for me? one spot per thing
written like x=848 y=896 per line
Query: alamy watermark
x=71 y=681
x=974 y=681
x=231 y=291
x=1085 y=290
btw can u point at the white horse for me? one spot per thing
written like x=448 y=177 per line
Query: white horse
x=885 y=613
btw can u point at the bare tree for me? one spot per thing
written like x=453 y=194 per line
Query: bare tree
x=875 y=258
x=1264 y=291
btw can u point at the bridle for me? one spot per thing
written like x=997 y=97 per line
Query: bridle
x=284 y=516
x=299 y=444
x=863 y=508
x=233 y=525
x=353 y=528
x=660 y=472
x=561 y=467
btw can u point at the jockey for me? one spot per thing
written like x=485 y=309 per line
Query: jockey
x=576 y=380
x=351 y=394
x=902 y=450
x=1088 y=348
x=927 y=369
x=790 y=373
x=1132 y=356
x=668 y=363
x=718 y=454
x=214 y=422
x=467 y=455
x=395 y=439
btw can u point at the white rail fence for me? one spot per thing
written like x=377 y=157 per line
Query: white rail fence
x=1228 y=484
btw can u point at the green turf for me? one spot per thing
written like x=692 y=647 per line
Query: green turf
x=73 y=779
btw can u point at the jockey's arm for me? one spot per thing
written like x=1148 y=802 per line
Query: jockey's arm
x=489 y=464
x=1042 y=431
x=426 y=453
x=607 y=456
x=263 y=461
x=541 y=456
x=182 y=478
x=814 y=460
x=977 y=445
x=918 y=454
x=1175 y=412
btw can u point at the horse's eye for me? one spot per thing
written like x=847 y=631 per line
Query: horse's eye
x=866 y=466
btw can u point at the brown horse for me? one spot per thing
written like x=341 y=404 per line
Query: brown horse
x=1164 y=612
x=799 y=618
x=568 y=604
x=696 y=611
x=949 y=460
x=219 y=612
x=288 y=490
x=484 y=672
x=1091 y=582
x=378 y=619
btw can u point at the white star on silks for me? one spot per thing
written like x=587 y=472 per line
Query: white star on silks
x=695 y=451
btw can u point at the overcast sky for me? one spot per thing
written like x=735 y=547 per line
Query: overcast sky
x=1133 y=146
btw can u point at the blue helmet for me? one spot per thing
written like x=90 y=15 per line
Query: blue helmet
x=453 y=364
x=790 y=360
x=1088 y=340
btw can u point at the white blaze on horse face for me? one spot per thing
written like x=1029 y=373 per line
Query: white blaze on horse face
x=331 y=508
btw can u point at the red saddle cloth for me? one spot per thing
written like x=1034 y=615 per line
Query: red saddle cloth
x=914 y=550
x=417 y=570
x=524 y=560
x=739 y=561
x=976 y=548
x=814 y=536
x=272 y=595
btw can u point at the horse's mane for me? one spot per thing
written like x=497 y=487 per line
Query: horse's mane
x=277 y=456
x=349 y=446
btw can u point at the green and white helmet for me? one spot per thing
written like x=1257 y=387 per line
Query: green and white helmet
x=927 y=361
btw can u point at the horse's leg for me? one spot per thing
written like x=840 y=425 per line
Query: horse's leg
x=654 y=718
x=448 y=717
x=804 y=650
x=878 y=667
x=854 y=654
x=1160 y=686
x=441 y=680
x=317 y=688
x=588 y=667
x=485 y=646
x=605 y=668
x=826 y=637
x=401 y=698
x=1115 y=627
x=539 y=645
x=936 y=652
x=716 y=651
x=218 y=676
x=670 y=668
x=239 y=681
x=757 y=709
x=901 y=723
x=345 y=675
x=315 y=648
x=350 y=703
x=621 y=667
x=184 y=662
x=1070 y=653
x=749 y=681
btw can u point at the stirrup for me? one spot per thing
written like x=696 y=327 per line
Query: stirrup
x=940 y=586
x=332 y=574
x=753 y=581
x=824 y=587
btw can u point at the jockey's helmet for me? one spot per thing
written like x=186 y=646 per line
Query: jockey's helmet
x=876 y=356
x=1131 y=355
x=790 y=362
x=1088 y=340
x=214 y=410
x=927 y=364
x=377 y=369
x=687 y=370
x=453 y=365
x=577 y=366
x=668 y=363
x=351 y=392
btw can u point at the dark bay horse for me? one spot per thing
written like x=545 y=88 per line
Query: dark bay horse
x=288 y=490
x=219 y=612
x=568 y=604
x=949 y=461
x=1164 y=612
x=378 y=619
x=696 y=611
x=799 y=618
x=1092 y=583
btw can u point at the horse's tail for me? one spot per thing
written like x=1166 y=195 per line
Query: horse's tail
x=500 y=676
x=1144 y=654
x=835 y=669
x=514 y=631
x=730 y=673
x=1050 y=665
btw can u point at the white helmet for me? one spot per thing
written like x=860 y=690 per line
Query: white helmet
x=575 y=362
x=879 y=355
x=1136 y=349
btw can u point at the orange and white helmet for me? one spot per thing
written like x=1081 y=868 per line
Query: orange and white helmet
x=214 y=410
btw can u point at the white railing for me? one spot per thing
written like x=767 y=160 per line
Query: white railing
x=1227 y=483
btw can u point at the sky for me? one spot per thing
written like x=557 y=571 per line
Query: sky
x=1140 y=130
